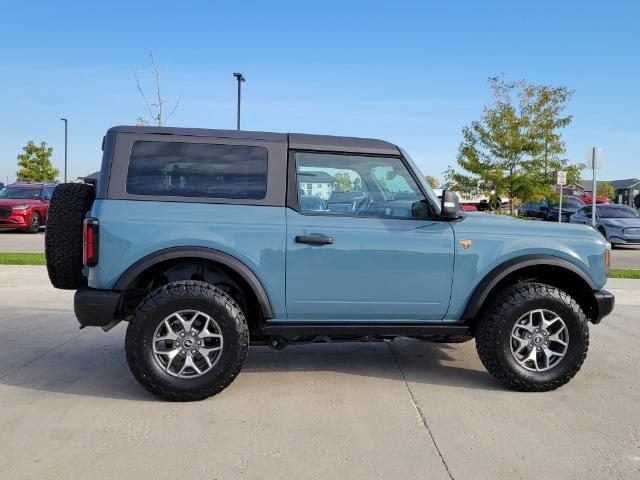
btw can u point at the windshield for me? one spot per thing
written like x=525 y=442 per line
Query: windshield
x=20 y=193
x=569 y=203
x=435 y=202
x=617 y=212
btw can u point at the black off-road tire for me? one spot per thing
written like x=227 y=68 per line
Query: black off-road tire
x=493 y=336
x=160 y=304
x=34 y=223
x=63 y=236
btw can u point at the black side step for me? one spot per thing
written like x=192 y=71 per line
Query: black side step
x=363 y=329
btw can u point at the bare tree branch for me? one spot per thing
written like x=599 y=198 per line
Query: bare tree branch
x=156 y=109
x=144 y=97
x=174 y=107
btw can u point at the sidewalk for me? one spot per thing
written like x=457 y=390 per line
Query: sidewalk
x=626 y=290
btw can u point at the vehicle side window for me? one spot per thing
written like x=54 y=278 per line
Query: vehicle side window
x=48 y=192
x=356 y=185
x=197 y=170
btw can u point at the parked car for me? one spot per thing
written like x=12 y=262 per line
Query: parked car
x=198 y=239
x=588 y=199
x=636 y=201
x=535 y=210
x=344 y=201
x=570 y=205
x=312 y=203
x=619 y=224
x=24 y=206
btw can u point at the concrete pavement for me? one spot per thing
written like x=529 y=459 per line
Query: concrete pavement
x=21 y=242
x=409 y=409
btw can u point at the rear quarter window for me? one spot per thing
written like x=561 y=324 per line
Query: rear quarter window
x=197 y=170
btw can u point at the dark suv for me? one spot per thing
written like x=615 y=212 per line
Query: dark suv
x=24 y=206
x=205 y=241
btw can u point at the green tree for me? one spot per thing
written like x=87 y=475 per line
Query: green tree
x=34 y=165
x=433 y=181
x=515 y=148
x=605 y=189
x=342 y=181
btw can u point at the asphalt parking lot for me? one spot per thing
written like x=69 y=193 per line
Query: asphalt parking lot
x=404 y=410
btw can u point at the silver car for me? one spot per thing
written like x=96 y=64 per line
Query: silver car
x=619 y=224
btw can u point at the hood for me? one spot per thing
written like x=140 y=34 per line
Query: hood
x=566 y=209
x=12 y=202
x=505 y=225
x=621 y=222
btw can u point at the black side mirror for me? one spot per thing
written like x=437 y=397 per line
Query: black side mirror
x=449 y=205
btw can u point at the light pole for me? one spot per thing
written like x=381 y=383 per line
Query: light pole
x=65 y=149
x=240 y=79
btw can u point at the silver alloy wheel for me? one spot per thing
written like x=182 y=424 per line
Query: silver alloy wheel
x=539 y=340
x=187 y=344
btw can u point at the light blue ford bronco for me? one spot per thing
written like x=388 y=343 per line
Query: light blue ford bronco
x=207 y=241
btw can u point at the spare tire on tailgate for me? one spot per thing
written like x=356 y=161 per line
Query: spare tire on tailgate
x=63 y=236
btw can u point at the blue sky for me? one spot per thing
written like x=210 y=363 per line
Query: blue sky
x=410 y=72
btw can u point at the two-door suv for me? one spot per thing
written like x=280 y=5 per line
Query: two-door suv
x=205 y=241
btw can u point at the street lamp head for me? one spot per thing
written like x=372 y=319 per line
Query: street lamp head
x=239 y=76
x=63 y=119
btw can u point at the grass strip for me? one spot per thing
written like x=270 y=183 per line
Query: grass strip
x=22 y=259
x=624 y=273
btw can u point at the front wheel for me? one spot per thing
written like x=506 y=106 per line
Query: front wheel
x=187 y=341
x=533 y=337
x=34 y=223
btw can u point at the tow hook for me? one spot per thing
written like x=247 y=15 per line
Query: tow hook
x=277 y=343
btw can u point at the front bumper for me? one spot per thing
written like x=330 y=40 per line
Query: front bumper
x=17 y=219
x=95 y=308
x=605 y=302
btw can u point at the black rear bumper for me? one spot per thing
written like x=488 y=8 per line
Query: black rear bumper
x=605 y=301
x=95 y=308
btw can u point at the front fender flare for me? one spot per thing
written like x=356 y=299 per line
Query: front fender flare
x=487 y=284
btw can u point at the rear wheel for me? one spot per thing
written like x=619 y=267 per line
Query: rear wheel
x=534 y=337
x=187 y=341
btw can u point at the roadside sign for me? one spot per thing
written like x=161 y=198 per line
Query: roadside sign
x=594 y=158
x=562 y=178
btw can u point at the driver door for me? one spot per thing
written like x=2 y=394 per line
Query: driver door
x=372 y=254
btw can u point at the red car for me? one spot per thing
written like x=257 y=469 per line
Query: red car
x=24 y=206
x=588 y=199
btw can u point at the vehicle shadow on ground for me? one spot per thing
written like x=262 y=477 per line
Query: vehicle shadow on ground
x=98 y=368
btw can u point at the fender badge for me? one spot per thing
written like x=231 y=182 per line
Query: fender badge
x=465 y=244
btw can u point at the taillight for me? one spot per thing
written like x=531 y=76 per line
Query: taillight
x=90 y=242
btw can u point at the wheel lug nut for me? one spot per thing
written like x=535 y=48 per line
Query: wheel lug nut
x=182 y=334
x=199 y=342
x=176 y=344
x=539 y=349
x=193 y=334
x=182 y=352
x=194 y=351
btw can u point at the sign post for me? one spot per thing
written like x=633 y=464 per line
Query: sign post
x=562 y=181
x=594 y=162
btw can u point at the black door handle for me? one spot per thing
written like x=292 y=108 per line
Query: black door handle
x=314 y=239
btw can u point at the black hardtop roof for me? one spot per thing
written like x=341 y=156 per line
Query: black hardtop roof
x=301 y=141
